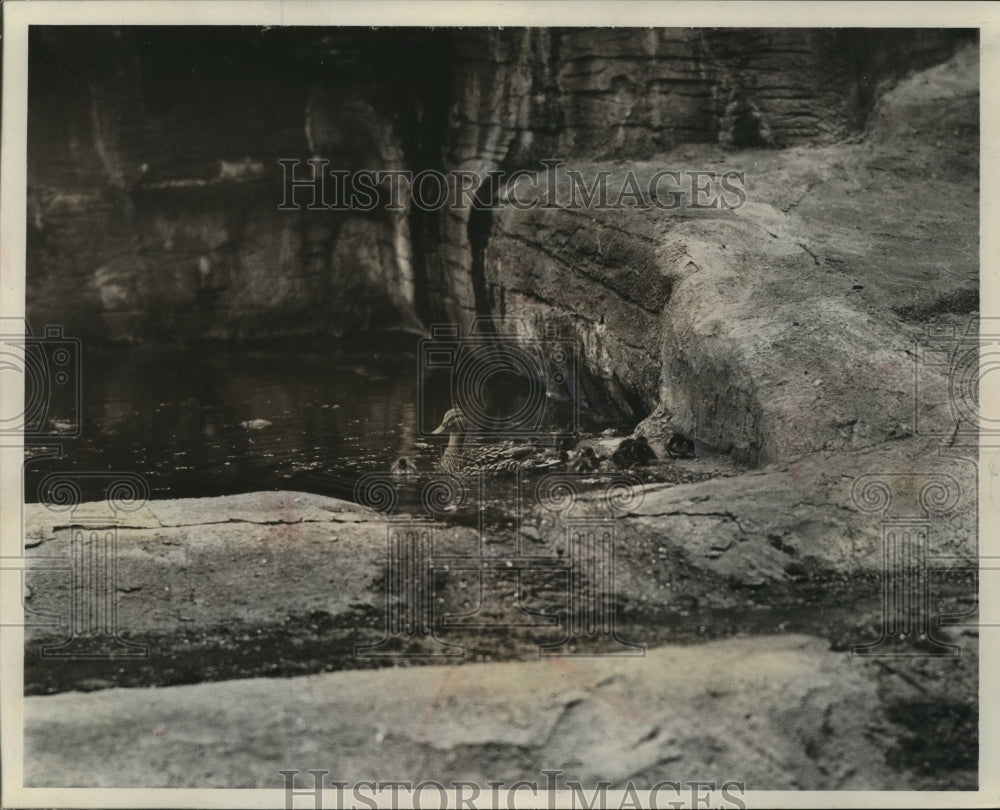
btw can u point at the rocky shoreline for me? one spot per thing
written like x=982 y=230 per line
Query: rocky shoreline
x=288 y=584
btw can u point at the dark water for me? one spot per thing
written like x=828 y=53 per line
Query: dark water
x=224 y=421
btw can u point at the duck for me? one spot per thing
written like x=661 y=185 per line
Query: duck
x=680 y=446
x=493 y=459
x=632 y=452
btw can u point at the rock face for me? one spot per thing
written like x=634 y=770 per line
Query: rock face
x=155 y=196
x=261 y=584
x=779 y=326
x=778 y=713
x=154 y=192
x=163 y=185
x=283 y=583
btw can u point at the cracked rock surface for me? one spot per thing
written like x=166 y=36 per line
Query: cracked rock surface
x=287 y=584
x=780 y=712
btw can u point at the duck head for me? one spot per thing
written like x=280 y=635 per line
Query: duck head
x=454 y=422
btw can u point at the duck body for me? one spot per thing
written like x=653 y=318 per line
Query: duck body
x=498 y=459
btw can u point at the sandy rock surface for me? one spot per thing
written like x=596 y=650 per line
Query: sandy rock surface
x=777 y=713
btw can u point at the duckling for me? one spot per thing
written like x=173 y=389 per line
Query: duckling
x=585 y=460
x=403 y=467
x=680 y=446
x=632 y=452
x=502 y=457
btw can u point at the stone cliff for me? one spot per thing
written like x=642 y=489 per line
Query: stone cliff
x=154 y=193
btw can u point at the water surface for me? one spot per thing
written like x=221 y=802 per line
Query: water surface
x=227 y=420
x=224 y=421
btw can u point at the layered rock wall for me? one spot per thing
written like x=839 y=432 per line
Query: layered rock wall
x=156 y=202
x=154 y=185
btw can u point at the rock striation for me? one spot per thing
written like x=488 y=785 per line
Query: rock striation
x=156 y=197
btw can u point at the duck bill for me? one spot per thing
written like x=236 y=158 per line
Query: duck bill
x=439 y=429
